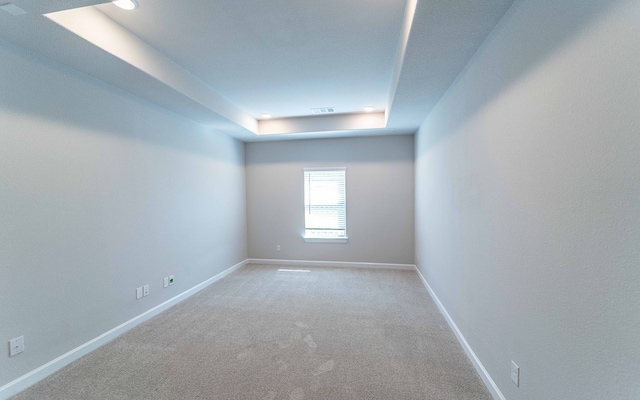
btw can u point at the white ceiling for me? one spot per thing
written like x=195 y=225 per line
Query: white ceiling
x=224 y=63
x=284 y=57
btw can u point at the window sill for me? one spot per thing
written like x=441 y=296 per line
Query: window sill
x=315 y=239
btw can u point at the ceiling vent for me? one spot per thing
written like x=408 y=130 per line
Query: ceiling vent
x=323 y=110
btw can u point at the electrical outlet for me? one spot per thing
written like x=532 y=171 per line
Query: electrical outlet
x=170 y=280
x=515 y=373
x=139 y=293
x=165 y=281
x=277 y=247
x=145 y=290
x=16 y=346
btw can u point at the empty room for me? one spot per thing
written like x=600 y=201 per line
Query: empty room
x=393 y=199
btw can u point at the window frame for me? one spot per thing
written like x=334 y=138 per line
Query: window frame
x=322 y=239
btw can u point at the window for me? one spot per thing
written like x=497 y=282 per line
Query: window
x=325 y=205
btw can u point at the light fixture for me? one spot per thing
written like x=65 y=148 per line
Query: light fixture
x=126 y=4
x=368 y=109
x=266 y=115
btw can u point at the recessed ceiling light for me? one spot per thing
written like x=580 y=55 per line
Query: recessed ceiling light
x=126 y=4
x=266 y=115
x=368 y=108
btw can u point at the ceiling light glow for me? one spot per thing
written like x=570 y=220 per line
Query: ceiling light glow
x=126 y=4
x=266 y=115
x=368 y=109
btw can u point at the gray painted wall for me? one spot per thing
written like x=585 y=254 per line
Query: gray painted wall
x=100 y=193
x=379 y=183
x=528 y=200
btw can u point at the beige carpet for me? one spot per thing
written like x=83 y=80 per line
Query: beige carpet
x=260 y=334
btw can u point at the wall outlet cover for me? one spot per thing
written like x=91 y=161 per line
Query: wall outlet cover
x=138 y=293
x=515 y=373
x=16 y=346
x=170 y=280
x=165 y=281
x=145 y=290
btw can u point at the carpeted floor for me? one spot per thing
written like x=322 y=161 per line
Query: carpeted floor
x=260 y=334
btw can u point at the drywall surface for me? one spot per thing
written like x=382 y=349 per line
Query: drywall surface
x=100 y=193
x=379 y=198
x=528 y=200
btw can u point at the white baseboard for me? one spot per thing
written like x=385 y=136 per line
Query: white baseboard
x=52 y=366
x=343 y=264
x=486 y=378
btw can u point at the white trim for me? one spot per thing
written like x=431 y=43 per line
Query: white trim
x=52 y=366
x=344 y=264
x=488 y=381
x=325 y=169
x=316 y=239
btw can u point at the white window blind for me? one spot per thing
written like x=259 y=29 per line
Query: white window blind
x=325 y=203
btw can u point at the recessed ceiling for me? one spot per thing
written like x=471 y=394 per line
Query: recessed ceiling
x=281 y=56
x=226 y=63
